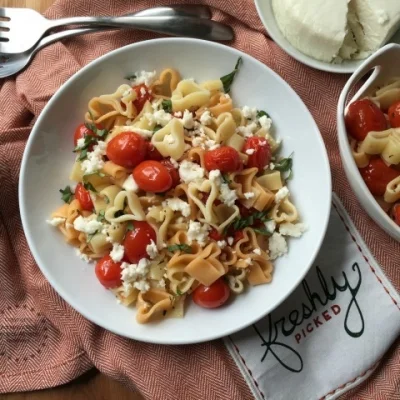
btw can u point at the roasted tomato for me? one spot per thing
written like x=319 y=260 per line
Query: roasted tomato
x=152 y=176
x=137 y=240
x=108 y=272
x=225 y=159
x=212 y=296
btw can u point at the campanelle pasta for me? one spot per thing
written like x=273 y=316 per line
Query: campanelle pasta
x=177 y=193
x=374 y=126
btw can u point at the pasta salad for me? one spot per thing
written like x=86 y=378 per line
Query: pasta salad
x=373 y=124
x=177 y=194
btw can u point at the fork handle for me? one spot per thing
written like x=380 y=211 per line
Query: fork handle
x=176 y=26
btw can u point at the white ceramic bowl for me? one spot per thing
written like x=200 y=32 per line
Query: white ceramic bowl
x=266 y=14
x=48 y=158
x=384 y=64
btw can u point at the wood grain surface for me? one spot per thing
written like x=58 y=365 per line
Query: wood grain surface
x=93 y=385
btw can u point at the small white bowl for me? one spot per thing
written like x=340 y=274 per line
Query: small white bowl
x=384 y=64
x=266 y=14
x=48 y=159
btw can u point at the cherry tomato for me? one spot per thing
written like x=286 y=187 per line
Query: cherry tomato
x=212 y=296
x=215 y=235
x=127 y=149
x=136 y=241
x=108 y=272
x=394 y=115
x=395 y=213
x=83 y=196
x=152 y=153
x=152 y=176
x=80 y=133
x=141 y=98
x=377 y=175
x=225 y=159
x=176 y=180
x=238 y=235
x=245 y=212
x=364 y=116
x=261 y=155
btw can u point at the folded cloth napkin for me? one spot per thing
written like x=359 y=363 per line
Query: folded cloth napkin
x=332 y=331
x=46 y=343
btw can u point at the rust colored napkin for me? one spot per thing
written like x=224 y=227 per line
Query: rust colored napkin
x=43 y=341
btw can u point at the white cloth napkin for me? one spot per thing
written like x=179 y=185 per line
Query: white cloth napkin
x=330 y=334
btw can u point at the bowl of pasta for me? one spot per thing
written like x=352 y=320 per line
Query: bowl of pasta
x=177 y=203
x=369 y=137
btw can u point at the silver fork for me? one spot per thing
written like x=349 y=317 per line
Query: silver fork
x=11 y=64
x=23 y=28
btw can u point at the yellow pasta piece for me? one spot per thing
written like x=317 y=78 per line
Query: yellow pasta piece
x=137 y=213
x=391 y=153
x=271 y=180
x=226 y=127
x=375 y=142
x=169 y=141
x=360 y=157
x=219 y=104
x=166 y=83
x=285 y=211
x=392 y=192
x=188 y=95
x=152 y=304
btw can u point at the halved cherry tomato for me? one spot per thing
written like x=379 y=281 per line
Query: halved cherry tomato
x=395 y=213
x=108 y=272
x=127 y=149
x=141 y=98
x=176 y=180
x=225 y=159
x=261 y=155
x=80 y=133
x=215 y=235
x=152 y=153
x=394 y=115
x=83 y=196
x=245 y=212
x=238 y=235
x=377 y=175
x=152 y=176
x=136 y=241
x=364 y=116
x=212 y=296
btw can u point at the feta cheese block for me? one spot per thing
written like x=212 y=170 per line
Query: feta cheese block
x=315 y=27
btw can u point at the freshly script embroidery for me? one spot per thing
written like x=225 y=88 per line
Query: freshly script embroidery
x=287 y=325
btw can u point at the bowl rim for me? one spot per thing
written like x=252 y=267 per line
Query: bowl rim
x=369 y=203
x=69 y=298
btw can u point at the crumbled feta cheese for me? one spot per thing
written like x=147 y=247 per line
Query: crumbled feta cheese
x=277 y=246
x=133 y=275
x=130 y=184
x=94 y=161
x=55 y=221
x=198 y=141
x=117 y=252
x=178 y=114
x=169 y=139
x=257 y=251
x=206 y=118
x=221 y=244
x=214 y=175
x=211 y=144
x=227 y=196
x=187 y=120
x=151 y=250
x=281 y=194
x=289 y=229
x=198 y=232
x=174 y=163
x=145 y=133
x=190 y=171
x=226 y=95
x=156 y=104
x=248 y=130
x=271 y=166
x=68 y=225
x=161 y=283
x=249 y=113
x=178 y=205
x=230 y=240
x=159 y=117
x=250 y=151
x=143 y=91
x=141 y=285
x=265 y=122
x=80 y=143
x=248 y=261
x=86 y=225
x=145 y=77
x=82 y=256
x=270 y=225
x=249 y=195
x=180 y=220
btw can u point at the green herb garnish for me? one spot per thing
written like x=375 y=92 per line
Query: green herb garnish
x=239 y=224
x=90 y=236
x=285 y=165
x=225 y=179
x=178 y=292
x=167 y=106
x=261 y=113
x=66 y=194
x=100 y=216
x=130 y=226
x=262 y=231
x=130 y=77
x=180 y=247
x=100 y=133
x=157 y=128
x=89 y=140
x=89 y=186
x=227 y=80
x=106 y=199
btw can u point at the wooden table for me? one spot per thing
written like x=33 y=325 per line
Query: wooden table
x=93 y=385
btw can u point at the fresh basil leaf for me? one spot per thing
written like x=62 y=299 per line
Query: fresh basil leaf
x=89 y=186
x=130 y=77
x=227 y=80
x=100 y=216
x=180 y=247
x=130 y=226
x=178 y=292
x=285 y=165
x=225 y=179
x=106 y=199
x=167 y=106
x=157 y=128
x=261 y=113
x=66 y=194
x=262 y=231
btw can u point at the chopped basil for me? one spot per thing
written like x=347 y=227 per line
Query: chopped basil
x=90 y=236
x=66 y=194
x=130 y=226
x=285 y=165
x=180 y=247
x=225 y=179
x=240 y=223
x=227 y=80
x=262 y=231
x=167 y=106
x=178 y=292
x=106 y=199
x=89 y=186
x=100 y=133
x=261 y=113
x=100 y=216
x=130 y=77
x=157 y=128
